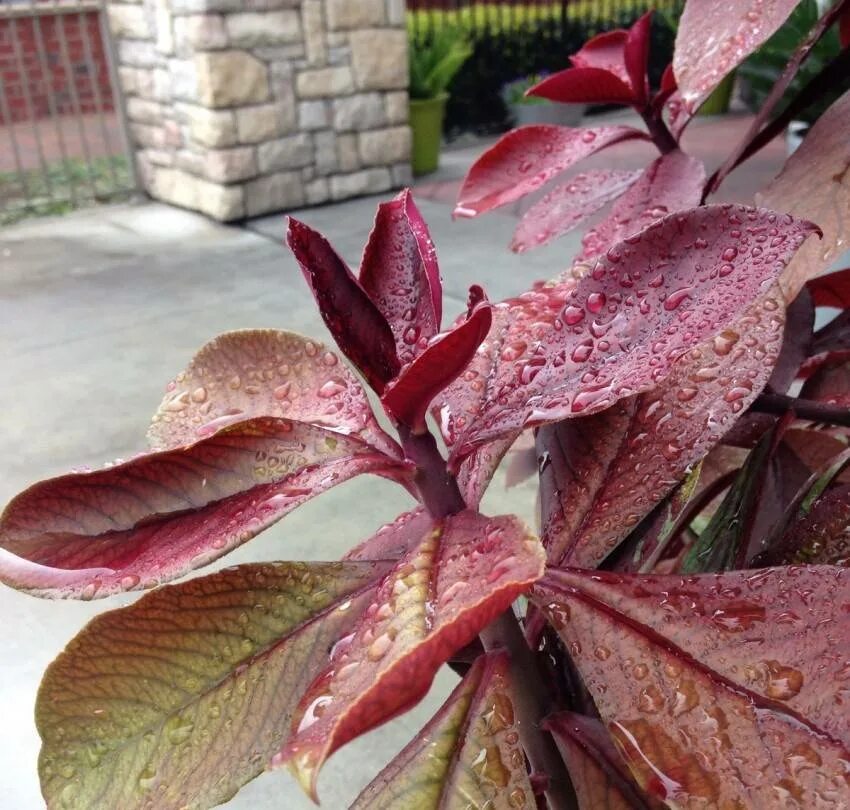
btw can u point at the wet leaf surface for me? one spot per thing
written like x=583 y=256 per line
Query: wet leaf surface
x=830 y=383
x=584 y=85
x=468 y=755
x=721 y=690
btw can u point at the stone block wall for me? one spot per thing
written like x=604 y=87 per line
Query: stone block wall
x=242 y=107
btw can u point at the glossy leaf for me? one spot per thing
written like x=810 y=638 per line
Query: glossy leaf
x=670 y=183
x=601 y=475
x=182 y=697
x=796 y=342
x=584 y=85
x=264 y=372
x=468 y=755
x=598 y=773
x=636 y=57
x=393 y=540
x=477 y=469
x=830 y=384
x=831 y=290
x=566 y=207
x=357 y=325
x=720 y=690
x=526 y=158
x=399 y=272
x=605 y=51
x=458 y=578
x=407 y=398
x=715 y=36
x=159 y=515
x=815 y=183
x=575 y=347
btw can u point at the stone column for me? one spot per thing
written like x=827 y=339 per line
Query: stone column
x=242 y=107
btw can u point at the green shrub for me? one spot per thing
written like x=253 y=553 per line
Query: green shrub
x=435 y=62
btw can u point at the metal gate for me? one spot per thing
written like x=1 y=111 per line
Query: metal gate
x=63 y=141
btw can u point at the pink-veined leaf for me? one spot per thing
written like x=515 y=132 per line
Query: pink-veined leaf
x=720 y=690
x=830 y=384
x=815 y=183
x=159 y=515
x=357 y=325
x=184 y=696
x=565 y=207
x=670 y=183
x=715 y=36
x=575 y=347
x=636 y=57
x=583 y=85
x=461 y=574
x=831 y=290
x=526 y=158
x=598 y=773
x=400 y=274
x=264 y=372
x=601 y=475
x=407 y=397
x=468 y=755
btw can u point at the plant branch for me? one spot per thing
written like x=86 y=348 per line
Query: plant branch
x=658 y=131
x=779 y=404
x=437 y=486
x=505 y=634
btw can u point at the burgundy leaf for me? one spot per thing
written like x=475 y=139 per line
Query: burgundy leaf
x=407 y=398
x=264 y=372
x=605 y=51
x=477 y=469
x=678 y=113
x=830 y=383
x=714 y=37
x=668 y=87
x=721 y=690
x=670 y=183
x=602 y=474
x=461 y=574
x=578 y=346
x=636 y=57
x=394 y=539
x=815 y=183
x=583 y=85
x=831 y=290
x=565 y=207
x=527 y=158
x=357 y=325
x=399 y=273
x=160 y=515
x=598 y=773
x=468 y=755
x=796 y=342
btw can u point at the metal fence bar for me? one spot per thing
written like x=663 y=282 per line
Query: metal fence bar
x=16 y=152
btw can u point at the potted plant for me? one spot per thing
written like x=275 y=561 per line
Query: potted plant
x=525 y=109
x=433 y=65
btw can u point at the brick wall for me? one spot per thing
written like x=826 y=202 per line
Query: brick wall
x=49 y=78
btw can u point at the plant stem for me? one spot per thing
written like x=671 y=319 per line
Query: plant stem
x=658 y=131
x=437 y=486
x=804 y=408
x=505 y=634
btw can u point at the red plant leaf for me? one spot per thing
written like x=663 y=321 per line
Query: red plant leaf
x=576 y=347
x=459 y=577
x=393 y=540
x=636 y=57
x=407 y=398
x=598 y=773
x=477 y=469
x=601 y=475
x=583 y=85
x=831 y=290
x=264 y=372
x=815 y=183
x=468 y=755
x=184 y=696
x=160 y=515
x=715 y=37
x=796 y=342
x=830 y=383
x=399 y=273
x=357 y=325
x=605 y=51
x=565 y=207
x=721 y=690
x=668 y=87
x=526 y=158
x=670 y=183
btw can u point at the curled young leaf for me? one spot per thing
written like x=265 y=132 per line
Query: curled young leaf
x=566 y=207
x=359 y=328
x=181 y=698
x=159 y=515
x=463 y=572
x=584 y=85
x=636 y=57
x=605 y=51
x=468 y=755
x=720 y=690
x=399 y=272
x=578 y=346
x=526 y=158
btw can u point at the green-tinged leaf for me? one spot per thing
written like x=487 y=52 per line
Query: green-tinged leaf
x=178 y=700
x=467 y=756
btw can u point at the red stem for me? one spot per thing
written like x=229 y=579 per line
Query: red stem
x=804 y=408
x=658 y=131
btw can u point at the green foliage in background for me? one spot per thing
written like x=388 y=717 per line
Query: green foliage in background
x=435 y=61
